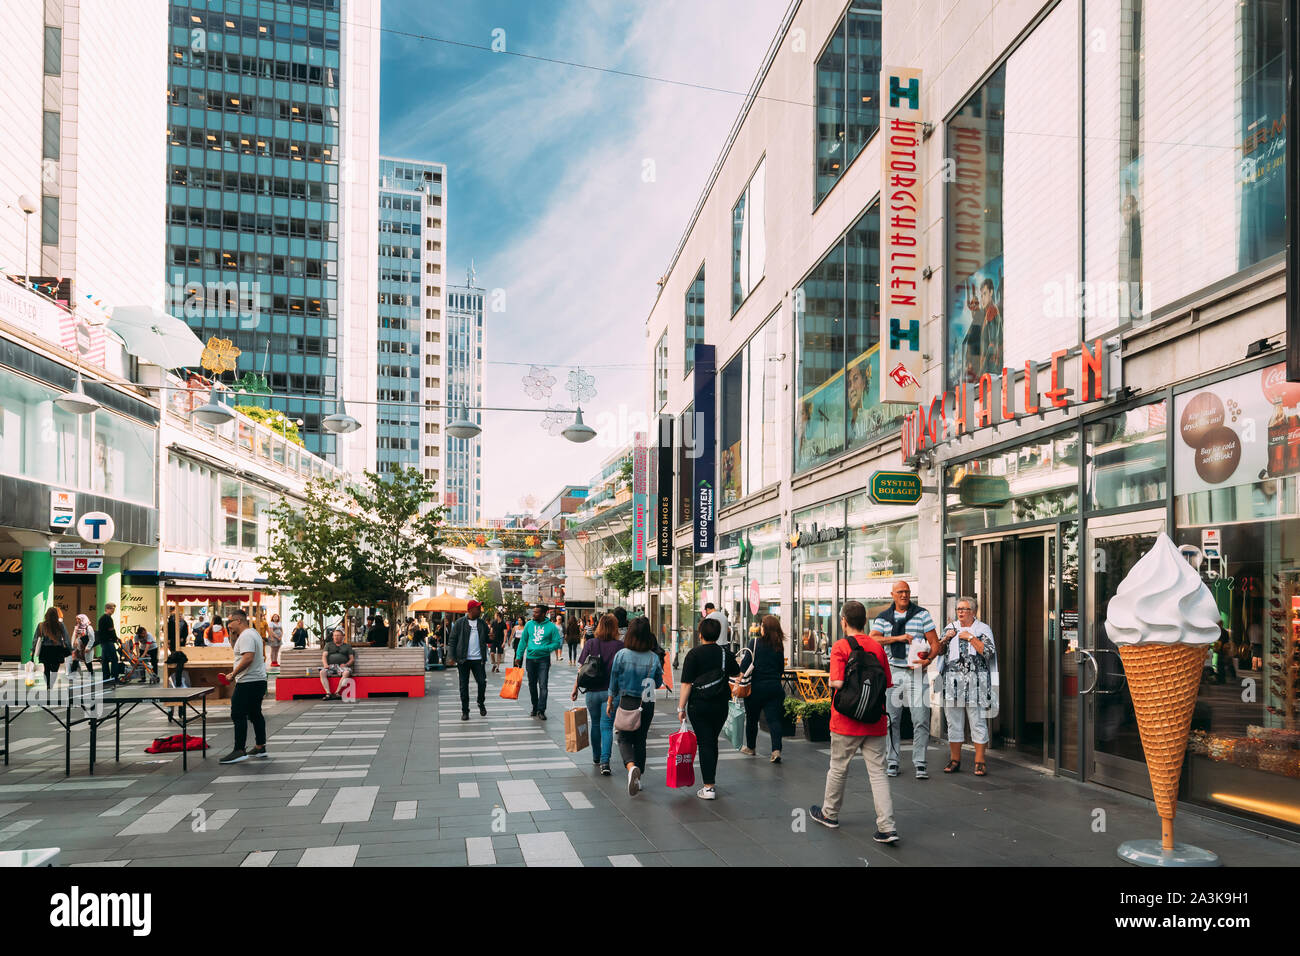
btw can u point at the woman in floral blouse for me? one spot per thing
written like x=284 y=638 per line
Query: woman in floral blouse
x=969 y=690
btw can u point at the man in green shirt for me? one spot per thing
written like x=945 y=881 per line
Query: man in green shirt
x=541 y=639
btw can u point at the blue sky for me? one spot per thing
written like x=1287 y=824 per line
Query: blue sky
x=546 y=191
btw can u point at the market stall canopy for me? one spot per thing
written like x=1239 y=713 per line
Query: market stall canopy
x=443 y=602
x=156 y=337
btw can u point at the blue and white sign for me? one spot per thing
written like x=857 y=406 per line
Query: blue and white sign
x=63 y=508
x=96 y=527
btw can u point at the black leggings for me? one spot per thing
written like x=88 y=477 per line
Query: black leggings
x=573 y=652
x=631 y=744
x=707 y=720
x=764 y=698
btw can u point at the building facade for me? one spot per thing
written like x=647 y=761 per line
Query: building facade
x=463 y=475
x=412 y=261
x=82 y=187
x=272 y=241
x=1089 y=254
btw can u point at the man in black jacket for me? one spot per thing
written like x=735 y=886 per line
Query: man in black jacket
x=467 y=646
x=106 y=641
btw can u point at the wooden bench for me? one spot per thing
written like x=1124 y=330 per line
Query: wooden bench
x=378 y=672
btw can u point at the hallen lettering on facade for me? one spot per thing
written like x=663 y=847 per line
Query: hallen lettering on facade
x=901 y=265
x=993 y=400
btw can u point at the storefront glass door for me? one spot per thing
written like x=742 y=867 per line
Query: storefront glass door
x=733 y=605
x=1112 y=747
x=818 y=615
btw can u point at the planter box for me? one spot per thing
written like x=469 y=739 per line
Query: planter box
x=817 y=730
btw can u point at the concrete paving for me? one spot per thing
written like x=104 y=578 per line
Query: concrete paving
x=397 y=782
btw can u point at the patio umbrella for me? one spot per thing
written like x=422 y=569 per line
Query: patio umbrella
x=443 y=602
x=156 y=337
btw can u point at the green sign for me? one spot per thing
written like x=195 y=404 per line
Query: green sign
x=896 y=487
x=984 y=491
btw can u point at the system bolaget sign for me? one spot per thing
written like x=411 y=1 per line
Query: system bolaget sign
x=900 y=235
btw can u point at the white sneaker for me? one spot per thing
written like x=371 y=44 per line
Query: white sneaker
x=707 y=793
x=634 y=781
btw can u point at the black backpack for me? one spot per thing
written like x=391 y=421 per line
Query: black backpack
x=712 y=686
x=862 y=697
x=592 y=673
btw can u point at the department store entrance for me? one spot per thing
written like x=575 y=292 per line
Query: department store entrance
x=1029 y=596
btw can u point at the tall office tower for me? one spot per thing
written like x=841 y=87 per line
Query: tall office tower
x=462 y=478
x=272 y=161
x=411 y=366
x=78 y=118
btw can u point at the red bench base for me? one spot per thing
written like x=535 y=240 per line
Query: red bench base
x=293 y=688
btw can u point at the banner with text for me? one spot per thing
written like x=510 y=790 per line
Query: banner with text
x=901 y=263
x=703 y=511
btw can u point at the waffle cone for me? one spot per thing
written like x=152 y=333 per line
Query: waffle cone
x=1163 y=680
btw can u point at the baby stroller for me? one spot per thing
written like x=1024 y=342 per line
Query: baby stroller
x=137 y=664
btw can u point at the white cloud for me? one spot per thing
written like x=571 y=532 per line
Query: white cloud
x=580 y=280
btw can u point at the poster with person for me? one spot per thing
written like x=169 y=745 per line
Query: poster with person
x=975 y=334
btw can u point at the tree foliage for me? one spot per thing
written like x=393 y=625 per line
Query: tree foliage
x=622 y=578
x=310 y=552
x=485 y=591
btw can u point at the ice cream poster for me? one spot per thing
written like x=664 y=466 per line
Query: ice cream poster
x=1237 y=432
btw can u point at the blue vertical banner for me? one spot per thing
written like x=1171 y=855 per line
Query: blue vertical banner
x=704 y=441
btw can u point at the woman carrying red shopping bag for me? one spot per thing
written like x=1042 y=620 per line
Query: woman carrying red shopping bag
x=705 y=696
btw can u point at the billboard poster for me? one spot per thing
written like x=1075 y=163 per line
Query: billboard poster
x=704 y=494
x=1239 y=432
x=975 y=332
x=819 y=432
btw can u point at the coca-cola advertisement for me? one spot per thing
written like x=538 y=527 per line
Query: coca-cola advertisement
x=1238 y=432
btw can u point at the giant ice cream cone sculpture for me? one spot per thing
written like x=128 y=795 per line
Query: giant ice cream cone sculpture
x=1163 y=619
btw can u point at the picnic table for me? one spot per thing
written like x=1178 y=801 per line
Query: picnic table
x=97 y=705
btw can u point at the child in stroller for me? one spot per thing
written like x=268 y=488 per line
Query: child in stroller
x=141 y=658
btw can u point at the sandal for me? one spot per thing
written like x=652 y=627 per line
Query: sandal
x=954 y=766
x=980 y=769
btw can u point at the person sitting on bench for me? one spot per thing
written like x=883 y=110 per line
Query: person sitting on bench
x=337 y=660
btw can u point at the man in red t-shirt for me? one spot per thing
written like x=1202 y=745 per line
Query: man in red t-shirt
x=849 y=736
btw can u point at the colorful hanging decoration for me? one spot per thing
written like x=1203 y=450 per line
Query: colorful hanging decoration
x=219 y=355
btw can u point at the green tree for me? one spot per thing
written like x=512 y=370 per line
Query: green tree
x=396 y=532
x=487 y=593
x=622 y=578
x=310 y=551
x=273 y=419
x=625 y=473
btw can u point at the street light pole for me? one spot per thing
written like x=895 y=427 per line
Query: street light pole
x=27 y=203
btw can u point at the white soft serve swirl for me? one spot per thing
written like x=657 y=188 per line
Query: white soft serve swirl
x=1162 y=600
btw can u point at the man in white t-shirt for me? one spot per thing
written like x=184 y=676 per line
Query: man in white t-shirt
x=249 y=677
x=711 y=612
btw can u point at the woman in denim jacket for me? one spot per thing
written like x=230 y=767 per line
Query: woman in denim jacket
x=635 y=674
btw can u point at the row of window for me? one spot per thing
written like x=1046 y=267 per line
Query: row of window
x=229 y=181
x=408 y=203
x=399 y=298
x=198 y=137
x=258 y=28
x=256 y=263
x=401 y=228
x=248 y=105
x=247 y=222
x=265 y=67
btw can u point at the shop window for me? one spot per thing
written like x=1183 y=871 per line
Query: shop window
x=1214 y=201
x=837 y=350
x=694 y=318
x=1012 y=211
x=731 y=427
x=123 y=458
x=748 y=241
x=880 y=549
x=1034 y=482
x=1125 y=458
x=53 y=51
x=848 y=92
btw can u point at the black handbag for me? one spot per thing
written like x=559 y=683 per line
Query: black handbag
x=592 y=673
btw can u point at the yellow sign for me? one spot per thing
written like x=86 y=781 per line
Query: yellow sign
x=219 y=355
x=139 y=606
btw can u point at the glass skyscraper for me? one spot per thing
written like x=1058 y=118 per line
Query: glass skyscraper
x=462 y=478
x=253 y=205
x=410 y=367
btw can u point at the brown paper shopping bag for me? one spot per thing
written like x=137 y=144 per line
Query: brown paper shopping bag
x=575 y=730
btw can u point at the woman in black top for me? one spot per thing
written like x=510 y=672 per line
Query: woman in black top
x=572 y=638
x=707 y=665
x=764 y=661
x=299 y=635
x=52 y=644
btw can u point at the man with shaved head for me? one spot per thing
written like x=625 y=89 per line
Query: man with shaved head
x=907 y=633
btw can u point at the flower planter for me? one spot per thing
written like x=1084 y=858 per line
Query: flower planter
x=817 y=728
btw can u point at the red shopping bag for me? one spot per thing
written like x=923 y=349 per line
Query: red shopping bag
x=514 y=679
x=681 y=758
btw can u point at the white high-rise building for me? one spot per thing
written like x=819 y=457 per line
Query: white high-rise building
x=463 y=475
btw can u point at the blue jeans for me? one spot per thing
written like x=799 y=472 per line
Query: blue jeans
x=539 y=675
x=600 y=725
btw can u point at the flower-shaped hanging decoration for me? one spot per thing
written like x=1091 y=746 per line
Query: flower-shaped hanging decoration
x=480 y=540
x=538 y=382
x=581 y=385
x=530 y=540
x=555 y=420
